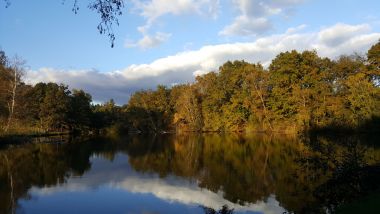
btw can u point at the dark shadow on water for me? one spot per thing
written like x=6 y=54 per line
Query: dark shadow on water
x=224 y=210
x=353 y=170
x=370 y=127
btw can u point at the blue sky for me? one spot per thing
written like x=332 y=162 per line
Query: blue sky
x=169 y=42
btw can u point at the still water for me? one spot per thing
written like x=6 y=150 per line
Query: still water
x=208 y=173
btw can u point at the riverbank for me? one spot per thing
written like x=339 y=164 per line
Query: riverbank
x=14 y=137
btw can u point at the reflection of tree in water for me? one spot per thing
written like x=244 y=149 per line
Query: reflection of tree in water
x=27 y=166
x=244 y=169
x=352 y=166
x=323 y=174
x=42 y=164
x=250 y=169
x=224 y=210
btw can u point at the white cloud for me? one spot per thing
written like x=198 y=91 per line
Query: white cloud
x=149 y=41
x=153 y=9
x=245 y=26
x=339 y=33
x=254 y=18
x=183 y=66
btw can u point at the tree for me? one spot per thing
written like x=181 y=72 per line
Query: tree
x=80 y=109
x=108 y=10
x=231 y=82
x=295 y=82
x=106 y=114
x=4 y=73
x=373 y=56
x=188 y=109
x=16 y=72
x=257 y=86
x=360 y=98
x=151 y=110
x=54 y=108
x=211 y=91
x=11 y=72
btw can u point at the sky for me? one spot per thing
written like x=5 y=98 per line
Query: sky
x=170 y=42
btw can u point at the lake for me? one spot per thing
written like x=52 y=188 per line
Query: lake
x=191 y=173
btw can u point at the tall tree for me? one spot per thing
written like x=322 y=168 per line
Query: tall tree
x=16 y=72
x=4 y=73
x=257 y=86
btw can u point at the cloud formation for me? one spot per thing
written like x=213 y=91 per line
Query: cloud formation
x=154 y=9
x=184 y=66
x=148 y=41
x=254 y=16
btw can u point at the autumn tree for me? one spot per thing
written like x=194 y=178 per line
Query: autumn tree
x=188 y=109
x=256 y=83
x=296 y=84
x=360 y=99
x=373 y=56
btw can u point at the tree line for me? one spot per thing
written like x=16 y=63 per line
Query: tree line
x=46 y=107
x=298 y=91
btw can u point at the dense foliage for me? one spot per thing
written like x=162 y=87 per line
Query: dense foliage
x=298 y=91
x=47 y=107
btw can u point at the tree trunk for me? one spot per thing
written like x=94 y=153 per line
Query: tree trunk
x=13 y=99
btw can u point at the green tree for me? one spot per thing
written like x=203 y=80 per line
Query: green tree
x=212 y=100
x=151 y=110
x=231 y=80
x=80 y=109
x=295 y=81
x=54 y=108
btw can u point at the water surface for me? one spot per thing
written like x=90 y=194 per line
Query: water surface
x=188 y=174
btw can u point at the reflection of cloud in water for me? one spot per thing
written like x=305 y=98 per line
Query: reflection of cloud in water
x=191 y=194
x=120 y=175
